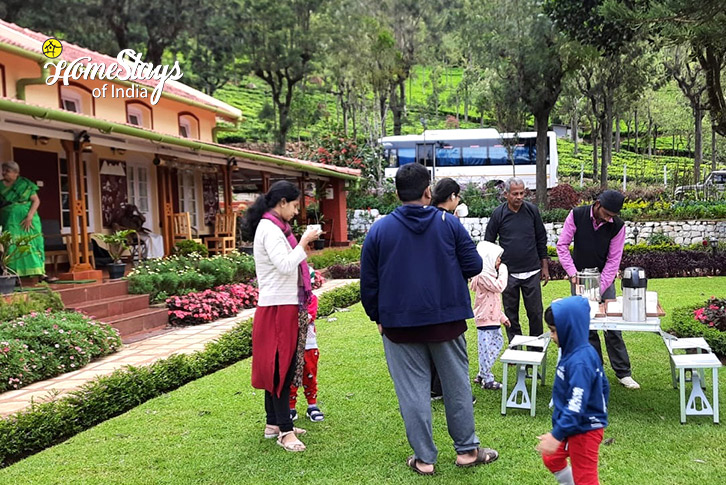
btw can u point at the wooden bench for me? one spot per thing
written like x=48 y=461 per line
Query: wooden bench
x=520 y=397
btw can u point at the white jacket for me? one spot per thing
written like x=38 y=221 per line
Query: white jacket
x=276 y=265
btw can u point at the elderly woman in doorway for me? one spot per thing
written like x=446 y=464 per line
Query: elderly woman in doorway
x=19 y=215
x=280 y=325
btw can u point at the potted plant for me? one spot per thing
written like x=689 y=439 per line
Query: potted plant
x=116 y=242
x=11 y=247
x=319 y=243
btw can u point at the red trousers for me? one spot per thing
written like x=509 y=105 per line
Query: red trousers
x=309 y=380
x=583 y=452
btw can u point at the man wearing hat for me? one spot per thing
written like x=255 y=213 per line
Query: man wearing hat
x=599 y=238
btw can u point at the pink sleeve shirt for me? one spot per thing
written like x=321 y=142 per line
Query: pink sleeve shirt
x=615 y=253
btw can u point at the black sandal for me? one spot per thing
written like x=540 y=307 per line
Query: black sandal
x=484 y=456
x=412 y=463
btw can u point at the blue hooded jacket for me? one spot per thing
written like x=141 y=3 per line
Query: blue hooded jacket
x=581 y=390
x=414 y=267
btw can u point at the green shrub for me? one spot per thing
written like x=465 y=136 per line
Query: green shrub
x=32 y=301
x=41 y=345
x=684 y=324
x=342 y=297
x=46 y=424
x=178 y=275
x=187 y=247
x=329 y=257
x=658 y=238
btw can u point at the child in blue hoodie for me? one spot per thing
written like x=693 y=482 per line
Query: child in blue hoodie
x=580 y=394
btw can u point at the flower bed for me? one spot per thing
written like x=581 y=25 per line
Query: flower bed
x=176 y=275
x=707 y=321
x=43 y=345
x=344 y=271
x=209 y=305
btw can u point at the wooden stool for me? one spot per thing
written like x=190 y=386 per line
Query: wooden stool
x=698 y=404
x=520 y=397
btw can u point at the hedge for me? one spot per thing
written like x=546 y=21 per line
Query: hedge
x=46 y=424
x=683 y=324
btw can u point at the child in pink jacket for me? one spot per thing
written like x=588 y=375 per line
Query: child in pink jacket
x=488 y=286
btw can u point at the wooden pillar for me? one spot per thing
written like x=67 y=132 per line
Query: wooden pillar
x=265 y=182
x=167 y=208
x=303 y=215
x=80 y=265
x=228 y=196
x=334 y=206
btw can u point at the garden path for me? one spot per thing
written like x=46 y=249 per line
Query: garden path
x=180 y=340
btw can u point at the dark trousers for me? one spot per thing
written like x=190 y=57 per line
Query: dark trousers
x=614 y=343
x=532 y=296
x=278 y=408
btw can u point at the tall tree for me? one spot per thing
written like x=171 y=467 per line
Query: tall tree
x=691 y=81
x=280 y=39
x=528 y=52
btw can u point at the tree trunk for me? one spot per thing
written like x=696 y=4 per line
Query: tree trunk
x=650 y=134
x=713 y=148
x=573 y=130
x=617 y=132
x=541 y=122
x=595 y=140
x=398 y=105
x=284 y=125
x=698 y=114
x=627 y=137
x=636 y=131
x=382 y=108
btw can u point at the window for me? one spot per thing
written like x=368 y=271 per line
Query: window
x=406 y=155
x=184 y=128
x=71 y=102
x=134 y=117
x=139 y=114
x=66 y=196
x=137 y=178
x=188 y=125
x=188 y=195
x=76 y=98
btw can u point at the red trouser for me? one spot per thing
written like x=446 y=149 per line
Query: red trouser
x=309 y=380
x=583 y=452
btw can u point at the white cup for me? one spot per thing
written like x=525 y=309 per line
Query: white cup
x=315 y=227
x=461 y=210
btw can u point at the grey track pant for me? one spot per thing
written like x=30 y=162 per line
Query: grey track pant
x=410 y=367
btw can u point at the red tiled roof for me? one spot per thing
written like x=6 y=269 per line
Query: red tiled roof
x=333 y=168
x=33 y=42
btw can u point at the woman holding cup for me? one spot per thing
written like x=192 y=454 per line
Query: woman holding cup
x=281 y=319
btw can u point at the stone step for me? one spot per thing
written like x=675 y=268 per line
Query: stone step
x=114 y=306
x=140 y=321
x=78 y=294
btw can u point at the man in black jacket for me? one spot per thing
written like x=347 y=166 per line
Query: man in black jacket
x=522 y=235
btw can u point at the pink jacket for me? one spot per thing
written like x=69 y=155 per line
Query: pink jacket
x=488 y=286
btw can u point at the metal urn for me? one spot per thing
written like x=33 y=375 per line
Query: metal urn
x=634 y=285
x=588 y=284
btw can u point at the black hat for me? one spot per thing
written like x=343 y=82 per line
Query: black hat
x=612 y=200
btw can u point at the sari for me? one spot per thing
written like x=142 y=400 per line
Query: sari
x=14 y=209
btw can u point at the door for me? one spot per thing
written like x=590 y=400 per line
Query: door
x=42 y=168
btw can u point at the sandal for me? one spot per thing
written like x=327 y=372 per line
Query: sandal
x=412 y=463
x=484 y=456
x=315 y=414
x=293 y=445
x=272 y=431
x=478 y=380
x=492 y=385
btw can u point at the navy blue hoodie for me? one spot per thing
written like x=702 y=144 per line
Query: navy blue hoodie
x=414 y=267
x=581 y=390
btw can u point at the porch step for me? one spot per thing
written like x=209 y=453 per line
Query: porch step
x=131 y=324
x=114 y=306
x=79 y=294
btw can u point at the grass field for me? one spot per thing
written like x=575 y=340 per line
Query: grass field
x=210 y=431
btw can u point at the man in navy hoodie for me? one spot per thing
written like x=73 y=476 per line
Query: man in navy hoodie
x=580 y=394
x=414 y=269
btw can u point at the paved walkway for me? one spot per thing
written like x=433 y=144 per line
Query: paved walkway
x=181 y=340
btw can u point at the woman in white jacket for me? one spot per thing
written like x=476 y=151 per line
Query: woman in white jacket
x=284 y=282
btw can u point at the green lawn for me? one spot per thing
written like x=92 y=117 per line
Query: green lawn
x=210 y=431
